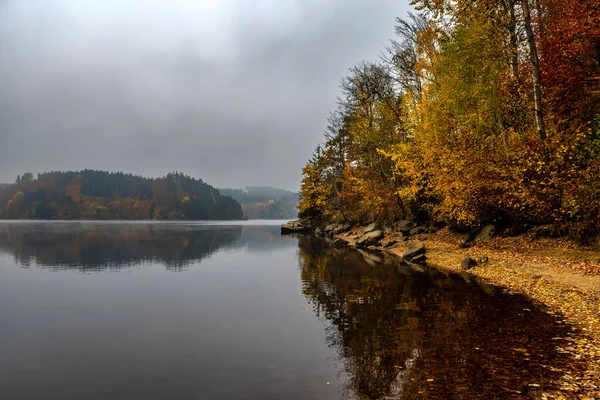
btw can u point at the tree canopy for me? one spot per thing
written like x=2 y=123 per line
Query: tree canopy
x=91 y=194
x=484 y=111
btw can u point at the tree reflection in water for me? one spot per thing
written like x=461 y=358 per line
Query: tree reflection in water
x=406 y=334
x=93 y=246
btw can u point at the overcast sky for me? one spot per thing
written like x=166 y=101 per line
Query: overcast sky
x=235 y=92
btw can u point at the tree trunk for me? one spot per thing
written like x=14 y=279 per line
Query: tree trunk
x=537 y=85
x=514 y=41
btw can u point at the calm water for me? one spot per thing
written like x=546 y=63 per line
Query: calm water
x=199 y=311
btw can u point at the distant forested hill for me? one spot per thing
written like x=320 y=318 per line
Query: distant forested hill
x=93 y=194
x=265 y=202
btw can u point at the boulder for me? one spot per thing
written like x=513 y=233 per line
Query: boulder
x=468 y=263
x=423 y=236
x=339 y=243
x=329 y=228
x=486 y=233
x=370 y=239
x=341 y=229
x=405 y=226
x=418 y=230
x=388 y=229
x=294 y=227
x=319 y=232
x=433 y=229
x=421 y=258
x=413 y=251
x=391 y=243
x=371 y=227
x=483 y=260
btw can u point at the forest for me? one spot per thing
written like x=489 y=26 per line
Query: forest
x=91 y=194
x=265 y=202
x=479 y=111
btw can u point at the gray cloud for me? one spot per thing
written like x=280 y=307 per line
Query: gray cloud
x=235 y=92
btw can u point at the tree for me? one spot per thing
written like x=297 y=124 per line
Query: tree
x=105 y=195
x=482 y=111
x=27 y=177
x=537 y=80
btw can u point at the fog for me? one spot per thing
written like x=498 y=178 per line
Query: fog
x=235 y=92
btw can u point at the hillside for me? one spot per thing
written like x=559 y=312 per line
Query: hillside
x=265 y=202
x=468 y=122
x=90 y=194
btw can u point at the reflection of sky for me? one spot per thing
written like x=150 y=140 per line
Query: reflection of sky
x=113 y=245
x=245 y=322
x=230 y=327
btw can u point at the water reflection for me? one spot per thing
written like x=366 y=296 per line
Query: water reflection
x=412 y=335
x=236 y=327
x=111 y=246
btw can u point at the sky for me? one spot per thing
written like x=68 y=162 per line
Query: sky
x=235 y=92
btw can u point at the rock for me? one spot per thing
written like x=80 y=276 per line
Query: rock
x=388 y=229
x=329 y=228
x=341 y=229
x=339 y=243
x=464 y=245
x=421 y=258
x=405 y=226
x=370 y=239
x=319 y=232
x=418 y=230
x=405 y=238
x=433 y=229
x=391 y=243
x=414 y=251
x=486 y=233
x=371 y=227
x=483 y=260
x=468 y=263
x=536 y=276
x=422 y=236
x=294 y=227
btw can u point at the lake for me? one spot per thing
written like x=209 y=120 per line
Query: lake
x=142 y=310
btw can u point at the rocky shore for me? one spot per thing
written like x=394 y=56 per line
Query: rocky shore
x=559 y=276
x=295 y=227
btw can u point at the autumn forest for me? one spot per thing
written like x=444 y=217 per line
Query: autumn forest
x=484 y=111
x=93 y=194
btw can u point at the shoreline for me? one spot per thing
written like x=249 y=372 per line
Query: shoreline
x=559 y=276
